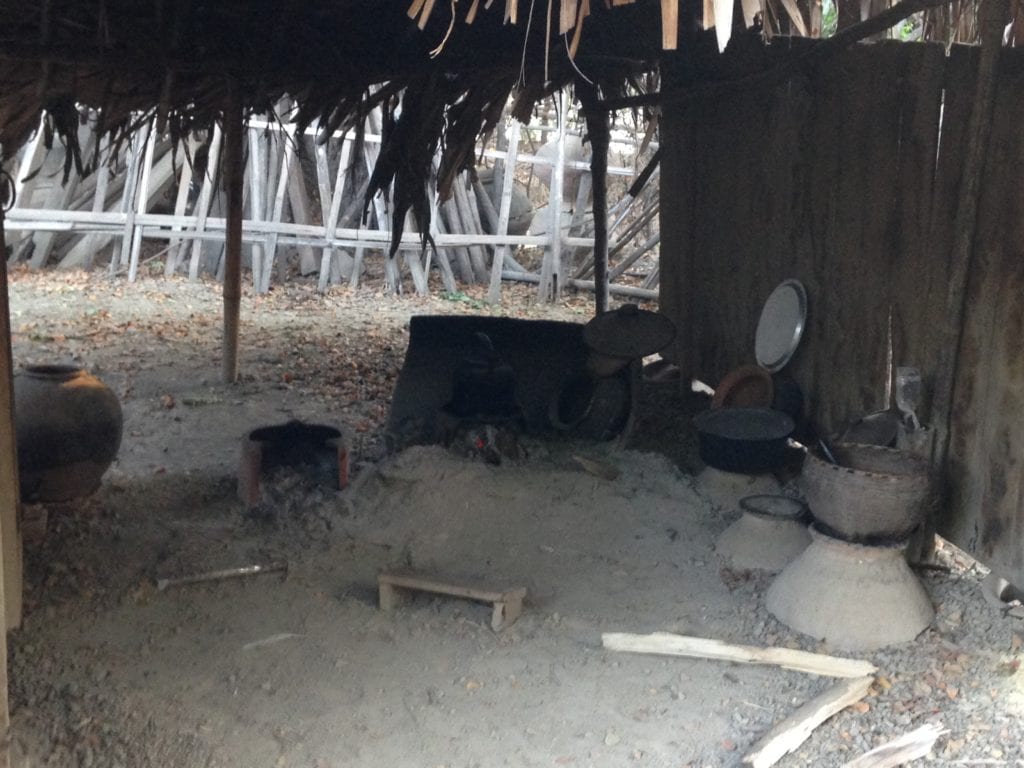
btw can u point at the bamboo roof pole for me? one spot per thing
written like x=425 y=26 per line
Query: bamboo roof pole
x=234 y=171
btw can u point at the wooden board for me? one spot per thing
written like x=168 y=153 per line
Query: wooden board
x=507 y=603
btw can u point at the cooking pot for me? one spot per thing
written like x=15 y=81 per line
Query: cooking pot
x=744 y=440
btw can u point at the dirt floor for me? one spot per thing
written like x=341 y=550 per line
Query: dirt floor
x=302 y=670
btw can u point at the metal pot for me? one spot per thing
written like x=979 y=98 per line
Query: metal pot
x=744 y=440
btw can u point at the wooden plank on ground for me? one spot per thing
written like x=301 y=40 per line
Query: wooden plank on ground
x=668 y=644
x=507 y=603
x=789 y=734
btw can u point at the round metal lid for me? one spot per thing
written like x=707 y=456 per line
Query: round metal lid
x=781 y=325
x=629 y=332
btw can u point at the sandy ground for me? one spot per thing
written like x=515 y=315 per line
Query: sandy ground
x=303 y=670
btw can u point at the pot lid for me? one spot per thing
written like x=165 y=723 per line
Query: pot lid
x=629 y=332
x=781 y=325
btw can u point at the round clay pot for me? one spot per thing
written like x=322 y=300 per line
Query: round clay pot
x=68 y=425
x=872 y=494
x=769 y=535
x=853 y=597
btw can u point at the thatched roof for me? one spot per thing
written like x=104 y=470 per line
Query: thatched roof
x=336 y=58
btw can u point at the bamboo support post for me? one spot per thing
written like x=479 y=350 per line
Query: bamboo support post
x=500 y=227
x=234 y=178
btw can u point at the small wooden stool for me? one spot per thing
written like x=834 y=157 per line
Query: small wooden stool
x=508 y=604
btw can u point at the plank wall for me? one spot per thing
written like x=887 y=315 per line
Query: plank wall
x=844 y=180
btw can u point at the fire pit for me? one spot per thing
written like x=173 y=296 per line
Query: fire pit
x=316 y=448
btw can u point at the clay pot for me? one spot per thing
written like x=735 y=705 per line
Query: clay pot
x=873 y=494
x=853 y=597
x=68 y=425
x=769 y=535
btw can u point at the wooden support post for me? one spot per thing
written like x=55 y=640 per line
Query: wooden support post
x=59 y=198
x=234 y=178
x=10 y=501
x=504 y=208
x=599 y=129
x=27 y=175
x=99 y=204
x=257 y=196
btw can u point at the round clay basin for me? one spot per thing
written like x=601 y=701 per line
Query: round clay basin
x=854 y=597
x=769 y=535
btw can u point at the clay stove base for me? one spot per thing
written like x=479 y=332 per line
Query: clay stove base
x=727 y=488
x=853 y=597
x=758 y=541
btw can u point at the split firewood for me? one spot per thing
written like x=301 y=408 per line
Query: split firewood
x=667 y=644
x=907 y=747
x=789 y=734
x=597 y=468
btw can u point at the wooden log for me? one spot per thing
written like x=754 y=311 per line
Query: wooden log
x=98 y=206
x=632 y=258
x=277 y=209
x=234 y=180
x=119 y=256
x=470 y=226
x=202 y=209
x=586 y=285
x=500 y=227
x=173 y=258
x=789 y=734
x=59 y=198
x=668 y=644
x=139 y=205
x=298 y=200
x=83 y=253
x=10 y=501
x=453 y=223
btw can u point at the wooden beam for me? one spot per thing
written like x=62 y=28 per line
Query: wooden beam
x=789 y=734
x=668 y=644
x=234 y=177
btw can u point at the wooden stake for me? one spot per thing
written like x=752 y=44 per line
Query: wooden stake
x=667 y=644
x=789 y=734
x=234 y=178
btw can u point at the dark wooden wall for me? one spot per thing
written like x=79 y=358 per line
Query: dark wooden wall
x=848 y=181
